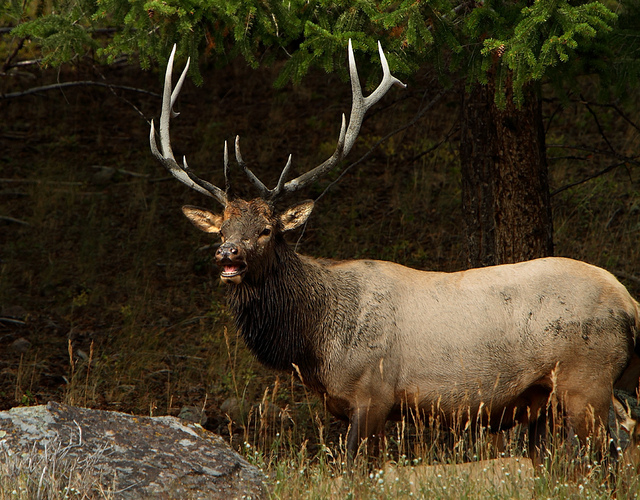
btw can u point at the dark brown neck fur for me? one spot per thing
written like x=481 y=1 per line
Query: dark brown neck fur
x=279 y=312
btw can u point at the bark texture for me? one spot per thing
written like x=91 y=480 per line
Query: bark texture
x=505 y=187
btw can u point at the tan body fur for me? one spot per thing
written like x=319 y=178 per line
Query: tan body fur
x=492 y=337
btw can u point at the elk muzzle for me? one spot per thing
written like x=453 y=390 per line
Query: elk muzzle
x=231 y=259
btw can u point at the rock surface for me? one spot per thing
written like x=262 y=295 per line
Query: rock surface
x=129 y=456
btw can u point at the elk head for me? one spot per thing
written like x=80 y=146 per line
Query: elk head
x=249 y=229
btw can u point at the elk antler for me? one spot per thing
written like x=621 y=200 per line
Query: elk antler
x=348 y=135
x=183 y=174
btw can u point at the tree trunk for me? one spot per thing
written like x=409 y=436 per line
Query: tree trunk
x=505 y=188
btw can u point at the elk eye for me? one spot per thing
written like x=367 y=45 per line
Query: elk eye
x=266 y=231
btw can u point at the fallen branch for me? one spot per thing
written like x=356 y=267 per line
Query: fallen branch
x=6 y=218
x=588 y=178
x=612 y=106
x=40 y=181
x=11 y=57
x=627 y=159
x=12 y=322
x=30 y=62
x=600 y=129
x=366 y=155
x=454 y=128
x=122 y=171
x=421 y=112
x=567 y=157
x=161 y=179
x=59 y=86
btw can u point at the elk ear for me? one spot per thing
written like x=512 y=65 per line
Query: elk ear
x=203 y=219
x=297 y=215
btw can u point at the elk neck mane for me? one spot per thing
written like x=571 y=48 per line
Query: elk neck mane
x=280 y=312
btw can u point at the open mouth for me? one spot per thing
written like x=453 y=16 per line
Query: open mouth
x=232 y=272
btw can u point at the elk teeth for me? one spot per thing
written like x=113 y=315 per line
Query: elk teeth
x=231 y=270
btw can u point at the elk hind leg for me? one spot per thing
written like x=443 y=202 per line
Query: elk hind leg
x=587 y=414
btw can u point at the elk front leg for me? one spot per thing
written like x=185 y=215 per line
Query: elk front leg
x=366 y=422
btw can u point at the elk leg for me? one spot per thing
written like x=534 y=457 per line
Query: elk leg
x=541 y=418
x=538 y=436
x=366 y=422
x=588 y=414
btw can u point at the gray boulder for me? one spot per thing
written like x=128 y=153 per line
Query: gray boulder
x=115 y=455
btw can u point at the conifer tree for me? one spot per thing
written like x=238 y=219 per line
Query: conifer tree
x=502 y=51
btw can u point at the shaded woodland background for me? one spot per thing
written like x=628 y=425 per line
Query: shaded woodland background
x=109 y=297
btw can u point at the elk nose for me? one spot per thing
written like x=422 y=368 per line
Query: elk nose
x=226 y=251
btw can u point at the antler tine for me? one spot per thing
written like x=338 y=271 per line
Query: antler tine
x=283 y=177
x=264 y=191
x=362 y=104
x=349 y=134
x=182 y=173
x=178 y=87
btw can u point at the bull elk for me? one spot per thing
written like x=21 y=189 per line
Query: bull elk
x=372 y=337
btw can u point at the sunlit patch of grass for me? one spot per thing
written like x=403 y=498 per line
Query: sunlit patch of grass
x=566 y=471
x=289 y=436
x=49 y=475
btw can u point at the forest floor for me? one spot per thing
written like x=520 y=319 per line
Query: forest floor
x=109 y=298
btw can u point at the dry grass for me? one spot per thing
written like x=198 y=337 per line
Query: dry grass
x=48 y=475
x=114 y=292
